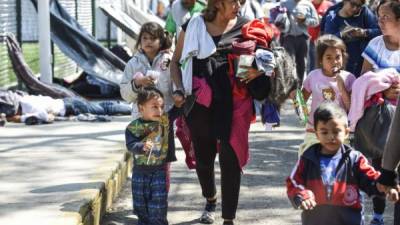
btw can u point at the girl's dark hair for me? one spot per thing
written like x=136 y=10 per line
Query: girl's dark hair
x=329 y=41
x=156 y=31
x=394 y=5
x=328 y=111
x=146 y=94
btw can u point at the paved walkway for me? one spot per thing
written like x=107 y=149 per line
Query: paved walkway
x=263 y=199
x=58 y=173
x=67 y=173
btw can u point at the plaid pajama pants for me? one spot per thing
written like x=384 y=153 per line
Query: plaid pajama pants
x=149 y=192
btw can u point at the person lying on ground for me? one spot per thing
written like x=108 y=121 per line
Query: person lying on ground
x=45 y=109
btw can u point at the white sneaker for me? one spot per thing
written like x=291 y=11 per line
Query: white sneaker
x=207 y=217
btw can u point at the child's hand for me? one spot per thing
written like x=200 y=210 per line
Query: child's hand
x=144 y=81
x=154 y=74
x=148 y=145
x=393 y=195
x=308 y=204
x=292 y=94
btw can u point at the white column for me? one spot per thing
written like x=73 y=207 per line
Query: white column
x=44 y=41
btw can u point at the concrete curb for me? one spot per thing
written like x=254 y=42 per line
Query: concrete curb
x=92 y=212
x=65 y=173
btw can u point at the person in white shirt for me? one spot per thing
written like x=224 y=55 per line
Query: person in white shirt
x=44 y=108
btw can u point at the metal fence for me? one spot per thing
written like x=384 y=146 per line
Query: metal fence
x=8 y=23
x=20 y=17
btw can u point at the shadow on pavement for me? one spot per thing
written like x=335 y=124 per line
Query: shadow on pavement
x=120 y=218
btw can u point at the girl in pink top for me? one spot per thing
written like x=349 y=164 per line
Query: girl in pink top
x=329 y=82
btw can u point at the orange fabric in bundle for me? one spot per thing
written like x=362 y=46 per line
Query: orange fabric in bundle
x=259 y=31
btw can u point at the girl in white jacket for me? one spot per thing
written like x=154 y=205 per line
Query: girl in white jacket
x=149 y=66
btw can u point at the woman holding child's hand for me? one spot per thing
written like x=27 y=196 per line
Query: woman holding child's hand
x=384 y=52
x=388 y=181
x=392 y=192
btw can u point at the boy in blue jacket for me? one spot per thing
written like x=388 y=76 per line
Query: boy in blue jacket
x=327 y=180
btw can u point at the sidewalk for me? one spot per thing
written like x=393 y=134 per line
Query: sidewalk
x=65 y=173
x=263 y=199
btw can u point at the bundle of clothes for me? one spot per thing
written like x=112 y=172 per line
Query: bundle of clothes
x=272 y=88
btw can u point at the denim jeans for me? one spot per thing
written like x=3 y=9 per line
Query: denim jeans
x=116 y=107
x=75 y=106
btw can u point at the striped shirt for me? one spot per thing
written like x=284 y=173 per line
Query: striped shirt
x=380 y=57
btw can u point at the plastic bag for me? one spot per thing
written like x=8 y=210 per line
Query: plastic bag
x=372 y=129
x=300 y=107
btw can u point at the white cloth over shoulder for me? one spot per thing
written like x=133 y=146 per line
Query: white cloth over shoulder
x=198 y=43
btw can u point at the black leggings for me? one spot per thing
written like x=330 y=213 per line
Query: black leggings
x=297 y=47
x=378 y=202
x=205 y=147
x=397 y=207
x=397 y=213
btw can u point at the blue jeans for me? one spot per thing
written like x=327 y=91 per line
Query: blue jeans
x=75 y=106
